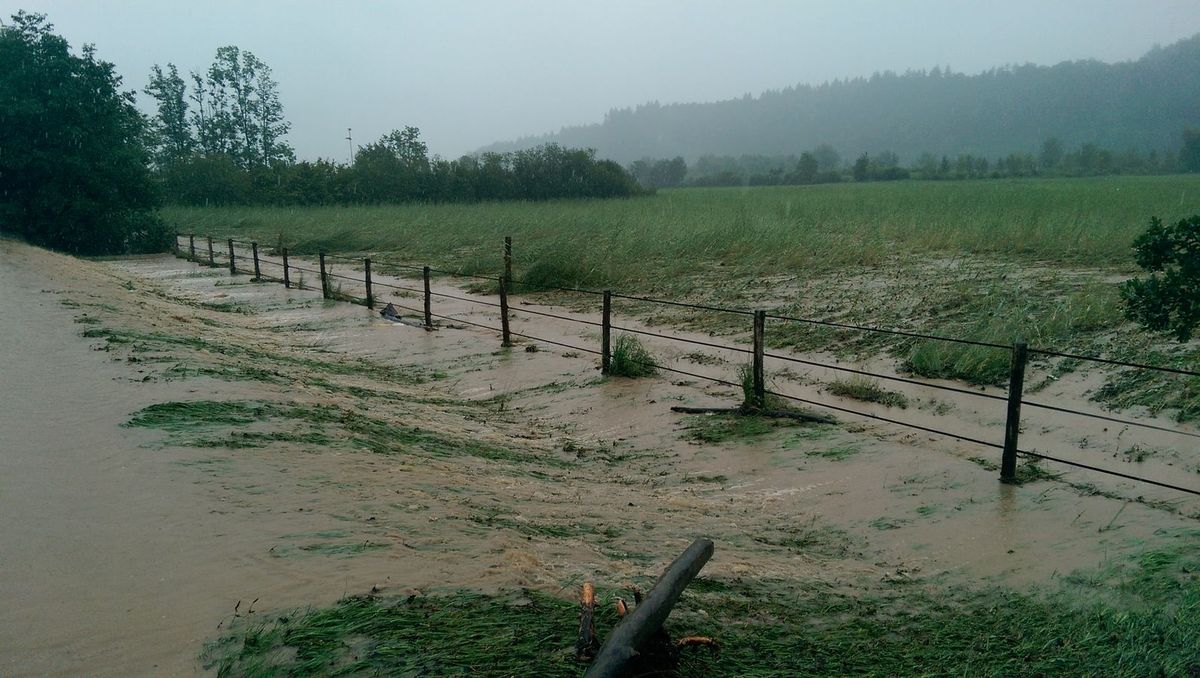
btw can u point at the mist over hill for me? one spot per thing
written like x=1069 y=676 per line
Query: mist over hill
x=1143 y=104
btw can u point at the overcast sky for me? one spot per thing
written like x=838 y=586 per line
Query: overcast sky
x=470 y=73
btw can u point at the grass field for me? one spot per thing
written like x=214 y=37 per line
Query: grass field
x=996 y=261
x=636 y=242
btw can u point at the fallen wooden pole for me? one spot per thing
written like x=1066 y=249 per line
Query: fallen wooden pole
x=774 y=414
x=638 y=626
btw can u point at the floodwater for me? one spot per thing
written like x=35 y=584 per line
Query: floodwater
x=122 y=555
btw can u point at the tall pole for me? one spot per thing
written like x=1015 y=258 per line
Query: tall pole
x=1012 y=423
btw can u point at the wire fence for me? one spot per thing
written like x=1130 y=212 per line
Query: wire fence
x=756 y=393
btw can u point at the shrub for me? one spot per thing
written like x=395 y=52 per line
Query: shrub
x=631 y=359
x=1169 y=302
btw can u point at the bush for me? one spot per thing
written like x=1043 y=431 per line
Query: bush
x=1170 y=302
x=631 y=359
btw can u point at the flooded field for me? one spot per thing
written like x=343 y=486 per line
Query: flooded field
x=183 y=449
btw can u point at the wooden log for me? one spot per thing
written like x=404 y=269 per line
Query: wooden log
x=647 y=618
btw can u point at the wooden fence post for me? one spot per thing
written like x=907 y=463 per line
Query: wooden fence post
x=367 y=280
x=192 y=246
x=212 y=259
x=507 y=336
x=232 y=260
x=175 y=246
x=1012 y=425
x=324 y=278
x=760 y=384
x=508 y=258
x=428 y=304
x=287 y=280
x=606 y=334
x=254 y=253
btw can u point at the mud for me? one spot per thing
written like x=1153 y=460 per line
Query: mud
x=124 y=553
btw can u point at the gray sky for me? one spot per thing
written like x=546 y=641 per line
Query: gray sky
x=470 y=73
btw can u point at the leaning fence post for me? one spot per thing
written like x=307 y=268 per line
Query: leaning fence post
x=428 y=305
x=287 y=280
x=324 y=278
x=606 y=334
x=232 y=260
x=1012 y=425
x=212 y=260
x=760 y=385
x=507 y=336
x=254 y=253
x=192 y=246
x=508 y=258
x=367 y=280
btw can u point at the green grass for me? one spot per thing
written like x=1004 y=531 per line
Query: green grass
x=1138 y=618
x=867 y=390
x=639 y=242
x=630 y=358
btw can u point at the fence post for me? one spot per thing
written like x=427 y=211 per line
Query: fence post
x=508 y=257
x=232 y=260
x=507 y=337
x=287 y=280
x=324 y=278
x=212 y=259
x=428 y=305
x=367 y=280
x=760 y=384
x=192 y=246
x=606 y=334
x=1012 y=425
x=254 y=252
x=175 y=246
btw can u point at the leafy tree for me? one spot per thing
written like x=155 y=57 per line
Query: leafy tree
x=170 y=133
x=1051 y=154
x=1189 y=155
x=1169 y=302
x=862 y=168
x=73 y=165
x=807 y=168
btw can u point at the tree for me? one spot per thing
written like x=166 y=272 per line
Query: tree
x=806 y=168
x=237 y=110
x=170 y=135
x=1170 y=302
x=862 y=168
x=1051 y=154
x=73 y=169
x=1189 y=155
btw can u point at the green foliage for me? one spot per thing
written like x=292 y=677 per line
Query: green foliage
x=73 y=169
x=630 y=358
x=867 y=390
x=1168 y=300
x=1189 y=155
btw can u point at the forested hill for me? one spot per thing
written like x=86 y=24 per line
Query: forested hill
x=1143 y=104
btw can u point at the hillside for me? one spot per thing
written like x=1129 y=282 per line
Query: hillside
x=1143 y=104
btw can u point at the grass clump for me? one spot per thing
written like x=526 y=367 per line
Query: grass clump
x=631 y=359
x=867 y=390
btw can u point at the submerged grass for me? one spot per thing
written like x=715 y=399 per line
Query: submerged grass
x=631 y=359
x=867 y=390
x=1144 y=623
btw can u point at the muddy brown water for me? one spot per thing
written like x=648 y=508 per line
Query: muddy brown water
x=122 y=555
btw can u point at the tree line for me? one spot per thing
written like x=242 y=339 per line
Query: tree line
x=1142 y=104
x=221 y=142
x=823 y=165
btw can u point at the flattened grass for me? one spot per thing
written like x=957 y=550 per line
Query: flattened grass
x=1146 y=623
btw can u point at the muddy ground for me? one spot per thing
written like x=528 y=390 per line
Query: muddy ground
x=377 y=454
